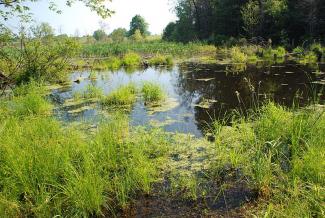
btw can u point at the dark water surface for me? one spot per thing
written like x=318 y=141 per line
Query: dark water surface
x=199 y=93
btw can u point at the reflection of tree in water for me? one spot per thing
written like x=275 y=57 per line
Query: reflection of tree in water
x=253 y=86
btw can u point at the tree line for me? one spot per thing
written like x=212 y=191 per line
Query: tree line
x=138 y=30
x=286 y=22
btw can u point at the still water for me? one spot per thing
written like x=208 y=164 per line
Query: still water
x=197 y=94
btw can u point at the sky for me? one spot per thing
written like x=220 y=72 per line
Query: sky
x=80 y=20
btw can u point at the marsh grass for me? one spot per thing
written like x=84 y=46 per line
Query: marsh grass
x=145 y=48
x=49 y=170
x=152 y=93
x=91 y=92
x=28 y=99
x=276 y=153
x=124 y=96
x=161 y=60
x=131 y=59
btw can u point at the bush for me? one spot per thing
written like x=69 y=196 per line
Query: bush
x=39 y=59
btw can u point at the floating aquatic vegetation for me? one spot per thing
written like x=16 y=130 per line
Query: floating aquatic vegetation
x=169 y=104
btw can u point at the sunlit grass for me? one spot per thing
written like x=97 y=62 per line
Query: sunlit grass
x=124 y=96
x=152 y=93
x=49 y=170
x=276 y=152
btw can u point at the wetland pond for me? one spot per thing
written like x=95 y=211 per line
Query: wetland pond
x=196 y=93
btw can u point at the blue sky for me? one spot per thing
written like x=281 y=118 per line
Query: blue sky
x=80 y=19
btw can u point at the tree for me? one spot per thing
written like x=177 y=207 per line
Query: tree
x=99 y=35
x=169 y=32
x=119 y=34
x=138 y=23
x=251 y=17
x=9 y=8
x=137 y=36
x=42 y=30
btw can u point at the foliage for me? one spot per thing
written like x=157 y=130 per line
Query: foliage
x=169 y=31
x=40 y=57
x=283 y=21
x=137 y=36
x=250 y=14
x=119 y=35
x=21 y=8
x=138 y=23
x=99 y=35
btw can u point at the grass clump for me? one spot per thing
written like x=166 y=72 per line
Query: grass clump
x=237 y=56
x=276 y=153
x=124 y=96
x=152 y=93
x=161 y=60
x=28 y=100
x=91 y=92
x=114 y=63
x=131 y=59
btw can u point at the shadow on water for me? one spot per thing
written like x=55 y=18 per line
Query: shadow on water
x=199 y=93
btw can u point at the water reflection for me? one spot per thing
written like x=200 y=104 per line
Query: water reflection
x=199 y=93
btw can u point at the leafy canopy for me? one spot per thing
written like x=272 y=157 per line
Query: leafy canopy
x=9 y=8
x=138 y=23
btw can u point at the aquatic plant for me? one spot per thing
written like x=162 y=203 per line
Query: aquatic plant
x=90 y=92
x=152 y=93
x=124 y=96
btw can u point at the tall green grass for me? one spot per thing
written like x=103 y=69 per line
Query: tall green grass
x=145 y=48
x=124 y=96
x=152 y=93
x=48 y=170
x=281 y=155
